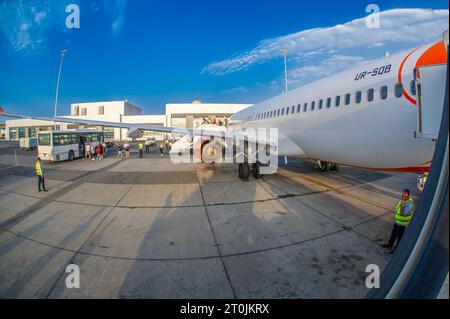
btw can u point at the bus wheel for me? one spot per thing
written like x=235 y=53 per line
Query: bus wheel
x=71 y=156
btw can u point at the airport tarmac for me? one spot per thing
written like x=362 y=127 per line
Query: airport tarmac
x=148 y=228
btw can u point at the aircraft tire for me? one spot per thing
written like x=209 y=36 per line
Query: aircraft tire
x=323 y=166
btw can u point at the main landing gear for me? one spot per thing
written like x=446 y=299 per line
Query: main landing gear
x=325 y=166
x=245 y=170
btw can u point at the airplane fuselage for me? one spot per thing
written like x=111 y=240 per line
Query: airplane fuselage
x=364 y=117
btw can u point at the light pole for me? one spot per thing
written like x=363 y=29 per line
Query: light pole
x=63 y=52
x=285 y=52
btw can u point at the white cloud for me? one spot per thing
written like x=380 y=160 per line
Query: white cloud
x=399 y=28
x=117 y=10
x=326 y=67
x=40 y=16
x=25 y=24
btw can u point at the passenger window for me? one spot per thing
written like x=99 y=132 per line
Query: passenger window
x=384 y=92
x=328 y=102
x=313 y=104
x=287 y=111
x=413 y=87
x=358 y=97
x=305 y=107
x=347 y=99
x=370 y=95
x=337 y=101
x=299 y=108
x=398 y=90
x=293 y=109
x=320 y=104
x=282 y=111
x=278 y=112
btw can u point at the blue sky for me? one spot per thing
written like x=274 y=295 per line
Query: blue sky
x=165 y=51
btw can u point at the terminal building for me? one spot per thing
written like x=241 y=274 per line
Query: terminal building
x=183 y=115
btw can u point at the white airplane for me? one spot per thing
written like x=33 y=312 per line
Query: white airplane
x=381 y=116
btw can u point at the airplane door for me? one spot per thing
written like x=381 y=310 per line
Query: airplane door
x=430 y=86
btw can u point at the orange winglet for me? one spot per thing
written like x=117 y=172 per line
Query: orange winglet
x=1 y=110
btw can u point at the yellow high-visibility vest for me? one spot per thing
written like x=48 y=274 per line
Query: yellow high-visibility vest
x=140 y=146
x=403 y=220
x=38 y=169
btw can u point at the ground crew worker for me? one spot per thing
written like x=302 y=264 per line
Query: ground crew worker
x=161 y=148
x=140 y=146
x=40 y=175
x=403 y=214
x=147 y=146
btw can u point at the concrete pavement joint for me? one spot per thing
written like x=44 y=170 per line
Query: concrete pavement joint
x=85 y=241
x=216 y=244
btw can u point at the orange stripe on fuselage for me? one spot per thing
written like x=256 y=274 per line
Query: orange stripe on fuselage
x=399 y=78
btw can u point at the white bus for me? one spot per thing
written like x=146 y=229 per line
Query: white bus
x=66 y=145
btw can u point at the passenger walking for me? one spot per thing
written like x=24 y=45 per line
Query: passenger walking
x=140 y=147
x=161 y=148
x=99 y=152
x=92 y=152
x=40 y=175
x=105 y=148
x=119 y=151
x=127 y=149
x=403 y=214
x=147 y=146
x=87 y=152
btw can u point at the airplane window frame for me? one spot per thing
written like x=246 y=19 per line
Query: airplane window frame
x=328 y=102
x=412 y=88
x=384 y=88
x=358 y=97
x=347 y=98
x=305 y=107
x=397 y=87
x=287 y=110
x=292 y=109
x=370 y=96
x=337 y=101
x=320 y=104
x=299 y=108
x=313 y=105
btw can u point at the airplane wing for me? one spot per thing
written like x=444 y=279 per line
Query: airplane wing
x=130 y=126
x=134 y=129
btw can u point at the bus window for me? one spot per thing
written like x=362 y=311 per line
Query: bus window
x=44 y=139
